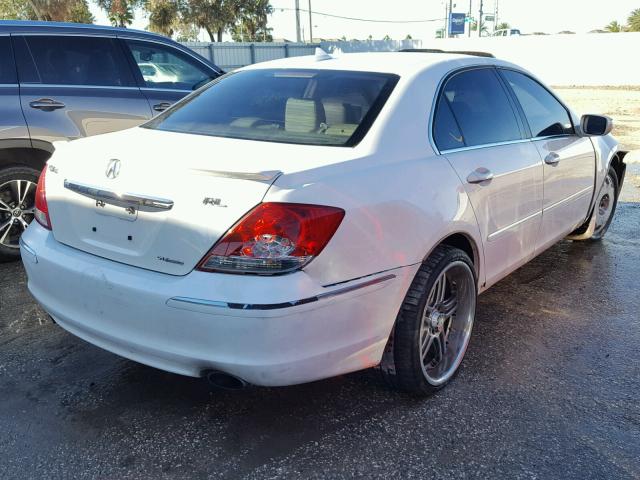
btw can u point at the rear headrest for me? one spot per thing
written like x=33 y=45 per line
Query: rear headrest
x=335 y=111
x=302 y=116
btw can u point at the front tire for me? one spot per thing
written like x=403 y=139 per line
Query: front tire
x=17 y=203
x=433 y=327
x=603 y=210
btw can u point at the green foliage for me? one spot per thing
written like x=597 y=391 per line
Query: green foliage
x=120 y=12
x=503 y=26
x=634 y=21
x=47 y=10
x=614 y=27
x=163 y=16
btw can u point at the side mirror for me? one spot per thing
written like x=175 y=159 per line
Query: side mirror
x=596 y=125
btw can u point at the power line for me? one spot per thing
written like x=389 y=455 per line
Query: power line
x=356 y=19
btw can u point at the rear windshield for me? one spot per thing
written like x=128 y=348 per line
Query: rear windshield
x=309 y=107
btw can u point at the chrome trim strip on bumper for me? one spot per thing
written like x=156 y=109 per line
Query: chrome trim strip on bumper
x=126 y=200
x=178 y=302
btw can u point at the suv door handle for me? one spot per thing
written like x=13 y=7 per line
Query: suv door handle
x=161 y=107
x=480 y=175
x=46 y=104
x=552 y=159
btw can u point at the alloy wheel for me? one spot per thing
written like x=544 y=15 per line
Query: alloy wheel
x=17 y=203
x=446 y=324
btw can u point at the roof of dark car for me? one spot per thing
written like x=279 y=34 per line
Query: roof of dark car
x=24 y=26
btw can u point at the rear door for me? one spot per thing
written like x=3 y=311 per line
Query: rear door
x=569 y=160
x=164 y=73
x=76 y=86
x=13 y=129
x=476 y=126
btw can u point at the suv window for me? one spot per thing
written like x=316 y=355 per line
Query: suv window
x=7 y=68
x=546 y=115
x=481 y=107
x=74 y=60
x=309 y=107
x=165 y=67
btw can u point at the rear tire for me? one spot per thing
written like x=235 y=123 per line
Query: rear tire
x=433 y=327
x=17 y=202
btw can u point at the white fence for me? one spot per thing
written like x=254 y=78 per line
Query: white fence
x=229 y=56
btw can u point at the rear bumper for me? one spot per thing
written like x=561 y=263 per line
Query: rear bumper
x=251 y=327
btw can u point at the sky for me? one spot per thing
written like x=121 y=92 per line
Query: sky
x=550 y=16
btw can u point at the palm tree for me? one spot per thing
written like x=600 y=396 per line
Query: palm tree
x=634 y=21
x=614 y=27
x=503 y=26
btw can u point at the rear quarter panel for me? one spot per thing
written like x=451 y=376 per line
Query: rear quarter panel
x=400 y=198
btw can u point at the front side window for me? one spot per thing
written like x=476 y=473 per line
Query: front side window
x=481 y=108
x=75 y=60
x=7 y=67
x=312 y=107
x=545 y=114
x=165 y=67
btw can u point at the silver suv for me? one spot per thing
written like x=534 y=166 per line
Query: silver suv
x=62 y=81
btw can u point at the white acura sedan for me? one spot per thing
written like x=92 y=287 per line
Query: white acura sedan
x=313 y=216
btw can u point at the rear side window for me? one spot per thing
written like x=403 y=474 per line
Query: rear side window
x=481 y=107
x=545 y=114
x=310 y=107
x=74 y=60
x=7 y=67
x=165 y=67
x=446 y=132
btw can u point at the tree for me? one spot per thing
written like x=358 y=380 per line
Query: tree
x=408 y=37
x=634 y=21
x=119 y=12
x=614 y=27
x=46 y=10
x=440 y=33
x=503 y=26
x=251 y=21
x=386 y=38
x=163 y=16
x=214 y=16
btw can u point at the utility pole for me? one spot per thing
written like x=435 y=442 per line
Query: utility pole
x=298 y=37
x=449 y=18
x=470 y=12
x=480 y=21
x=310 y=24
x=495 y=17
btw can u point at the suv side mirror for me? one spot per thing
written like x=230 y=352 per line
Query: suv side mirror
x=596 y=125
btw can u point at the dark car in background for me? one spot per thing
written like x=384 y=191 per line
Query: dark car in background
x=62 y=81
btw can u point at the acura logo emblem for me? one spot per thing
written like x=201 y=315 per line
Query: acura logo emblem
x=113 y=168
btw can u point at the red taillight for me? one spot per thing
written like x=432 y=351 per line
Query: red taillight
x=42 y=209
x=274 y=238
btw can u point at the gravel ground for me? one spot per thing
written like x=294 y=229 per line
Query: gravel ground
x=550 y=388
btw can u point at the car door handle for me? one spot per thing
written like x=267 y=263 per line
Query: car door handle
x=46 y=104
x=480 y=175
x=552 y=159
x=161 y=107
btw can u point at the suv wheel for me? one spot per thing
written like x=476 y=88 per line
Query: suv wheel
x=17 y=202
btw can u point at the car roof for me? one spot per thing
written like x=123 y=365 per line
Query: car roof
x=400 y=63
x=28 y=26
